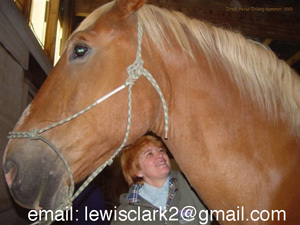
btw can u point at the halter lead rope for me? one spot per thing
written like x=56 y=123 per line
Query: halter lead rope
x=134 y=71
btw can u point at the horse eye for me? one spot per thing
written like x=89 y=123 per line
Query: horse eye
x=79 y=51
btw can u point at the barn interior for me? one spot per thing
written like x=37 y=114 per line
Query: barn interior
x=33 y=34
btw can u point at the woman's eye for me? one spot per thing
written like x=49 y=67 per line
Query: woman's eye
x=79 y=51
x=148 y=154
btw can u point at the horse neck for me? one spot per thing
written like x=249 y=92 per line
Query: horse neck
x=208 y=111
x=203 y=100
x=213 y=126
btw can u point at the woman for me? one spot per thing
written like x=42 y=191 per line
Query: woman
x=156 y=195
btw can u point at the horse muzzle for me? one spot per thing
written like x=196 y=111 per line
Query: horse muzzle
x=37 y=179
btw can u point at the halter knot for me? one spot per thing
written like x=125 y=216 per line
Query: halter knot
x=33 y=135
x=134 y=71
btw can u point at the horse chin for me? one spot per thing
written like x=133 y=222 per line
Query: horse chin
x=36 y=180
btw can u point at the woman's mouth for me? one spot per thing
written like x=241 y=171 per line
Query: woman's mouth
x=161 y=163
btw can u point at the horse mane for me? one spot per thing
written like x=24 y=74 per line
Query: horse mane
x=255 y=68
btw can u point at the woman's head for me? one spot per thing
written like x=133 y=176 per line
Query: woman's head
x=145 y=160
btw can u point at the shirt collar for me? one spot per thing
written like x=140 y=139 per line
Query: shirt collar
x=151 y=189
x=133 y=195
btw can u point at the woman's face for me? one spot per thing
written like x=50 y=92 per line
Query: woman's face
x=154 y=165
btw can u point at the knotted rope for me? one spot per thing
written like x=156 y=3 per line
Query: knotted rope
x=134 y=71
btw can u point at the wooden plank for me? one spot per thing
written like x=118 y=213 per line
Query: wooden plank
x=15 y=18
x=293 y=59
x=24 y=7
x=67 y=21
x=267 y=41
x=85 y=7
x=12 y=42
x=11 y=89
x=263 y=19
x=53 y=10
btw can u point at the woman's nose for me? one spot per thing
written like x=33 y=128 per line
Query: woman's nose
x=159 y=154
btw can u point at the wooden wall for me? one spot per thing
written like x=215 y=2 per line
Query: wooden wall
x=13 y=94
x=19 y=50
x=244 y=15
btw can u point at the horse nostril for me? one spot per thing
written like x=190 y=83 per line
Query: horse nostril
x=10 y=172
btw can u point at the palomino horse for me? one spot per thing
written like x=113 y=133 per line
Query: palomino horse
x=232 y=107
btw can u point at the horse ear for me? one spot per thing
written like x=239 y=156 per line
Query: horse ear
x=127 y=7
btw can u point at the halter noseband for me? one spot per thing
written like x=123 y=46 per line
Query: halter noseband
x=134 y=71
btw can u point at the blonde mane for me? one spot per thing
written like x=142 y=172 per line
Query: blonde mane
x=255 y=69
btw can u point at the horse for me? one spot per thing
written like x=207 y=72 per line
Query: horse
x=227 y=108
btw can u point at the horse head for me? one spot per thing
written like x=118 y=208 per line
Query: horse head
x=40 y=168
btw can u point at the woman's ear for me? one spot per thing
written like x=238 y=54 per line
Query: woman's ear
x=127 y=7
x=140 y=174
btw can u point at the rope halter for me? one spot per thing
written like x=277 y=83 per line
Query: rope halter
x=134 y=71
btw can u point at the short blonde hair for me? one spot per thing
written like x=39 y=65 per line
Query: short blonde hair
x=130 y=156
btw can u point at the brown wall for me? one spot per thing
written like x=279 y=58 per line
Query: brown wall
x=17 y=43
